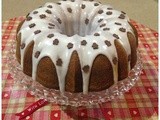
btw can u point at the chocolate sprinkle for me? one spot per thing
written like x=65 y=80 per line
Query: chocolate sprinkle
x=86 y=21
x=110 y=8
x=42 y=16
x=50 y=35
x=27 y=14
x=49 y=6
x=28 y=18
x=32 y=25
x=69 y=10
x=36 y=55
x=59 y=62
x=55 y=42
x=115 y=60
x=108 y=43
x=96 y=4
x=100 y=20
x=102 y=25
x=35 y=12
x=50 y=27
x=37 y=31
x=96 y=34
x=72 y=0
x=122 y=29
x=94 y=46
x=51 y=24
x=86 y=68
x=70 y=45
x=59 y=20
x=109 y=13
x=48 y=11
x=91 y=0
x=118 y=23
x=116 y=36
x=129 y=57
x=123 y=12
x=122 y=16
x=59 y=3
x=106 y=29
x=100 y=11
x=23 y=45
x=83 y=6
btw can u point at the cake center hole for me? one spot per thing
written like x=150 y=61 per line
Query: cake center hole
x=77 y=27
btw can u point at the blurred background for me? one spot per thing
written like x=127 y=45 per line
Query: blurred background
x=142 y=11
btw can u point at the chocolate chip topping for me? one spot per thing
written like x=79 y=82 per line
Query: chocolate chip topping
x=48 y=11
x=109 y=8
x=118 y=23
x=28 y=18
x=35 y=12
x=115 y=60
x=96 y=4
x=96 y=34
x=50 y=35
x=59 y=62
x=100 y=20
x=108 y=43
x=32 y=25
x=59 y=3
x=55 y=42
x=109 y=13
x=23 y=45
x=83 y=42
x=105 y=29
x=91 y=0
x=36 y=55
x=129 y=57
x=70 y=45
x=86 y=21
x=83 y=6
x=122 y=29
x=37 y=32
x=42 y=16
x=69 y=10
x=102 y=25
x=86 y=68
x=59 y=20
x=100 y=11
x=49 y=6
x=94 y=46
x=116 y=36
x=51 y=24
x=122 y=16
x=72 y=0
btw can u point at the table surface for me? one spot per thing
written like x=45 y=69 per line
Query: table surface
x=141 y=102
x=143 y=11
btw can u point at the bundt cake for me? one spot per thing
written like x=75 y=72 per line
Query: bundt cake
x=76 y=45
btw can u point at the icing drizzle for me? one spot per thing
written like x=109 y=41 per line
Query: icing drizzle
x=89 y=28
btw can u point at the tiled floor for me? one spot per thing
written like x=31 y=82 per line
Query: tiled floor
x=143 y=11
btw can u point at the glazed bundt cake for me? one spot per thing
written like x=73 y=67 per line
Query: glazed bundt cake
x=76 y=45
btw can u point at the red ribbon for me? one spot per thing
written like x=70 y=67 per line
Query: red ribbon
x=42 y=102
x=32 y=108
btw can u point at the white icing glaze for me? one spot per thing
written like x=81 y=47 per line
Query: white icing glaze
x=73 y=24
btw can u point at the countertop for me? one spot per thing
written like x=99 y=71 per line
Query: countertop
x=143 y=11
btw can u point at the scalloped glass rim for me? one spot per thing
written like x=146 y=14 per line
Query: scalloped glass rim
x=73 y=99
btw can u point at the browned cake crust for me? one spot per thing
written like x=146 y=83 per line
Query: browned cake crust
x=101 y=72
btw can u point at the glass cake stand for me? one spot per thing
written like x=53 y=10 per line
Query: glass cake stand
x=73 y=99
